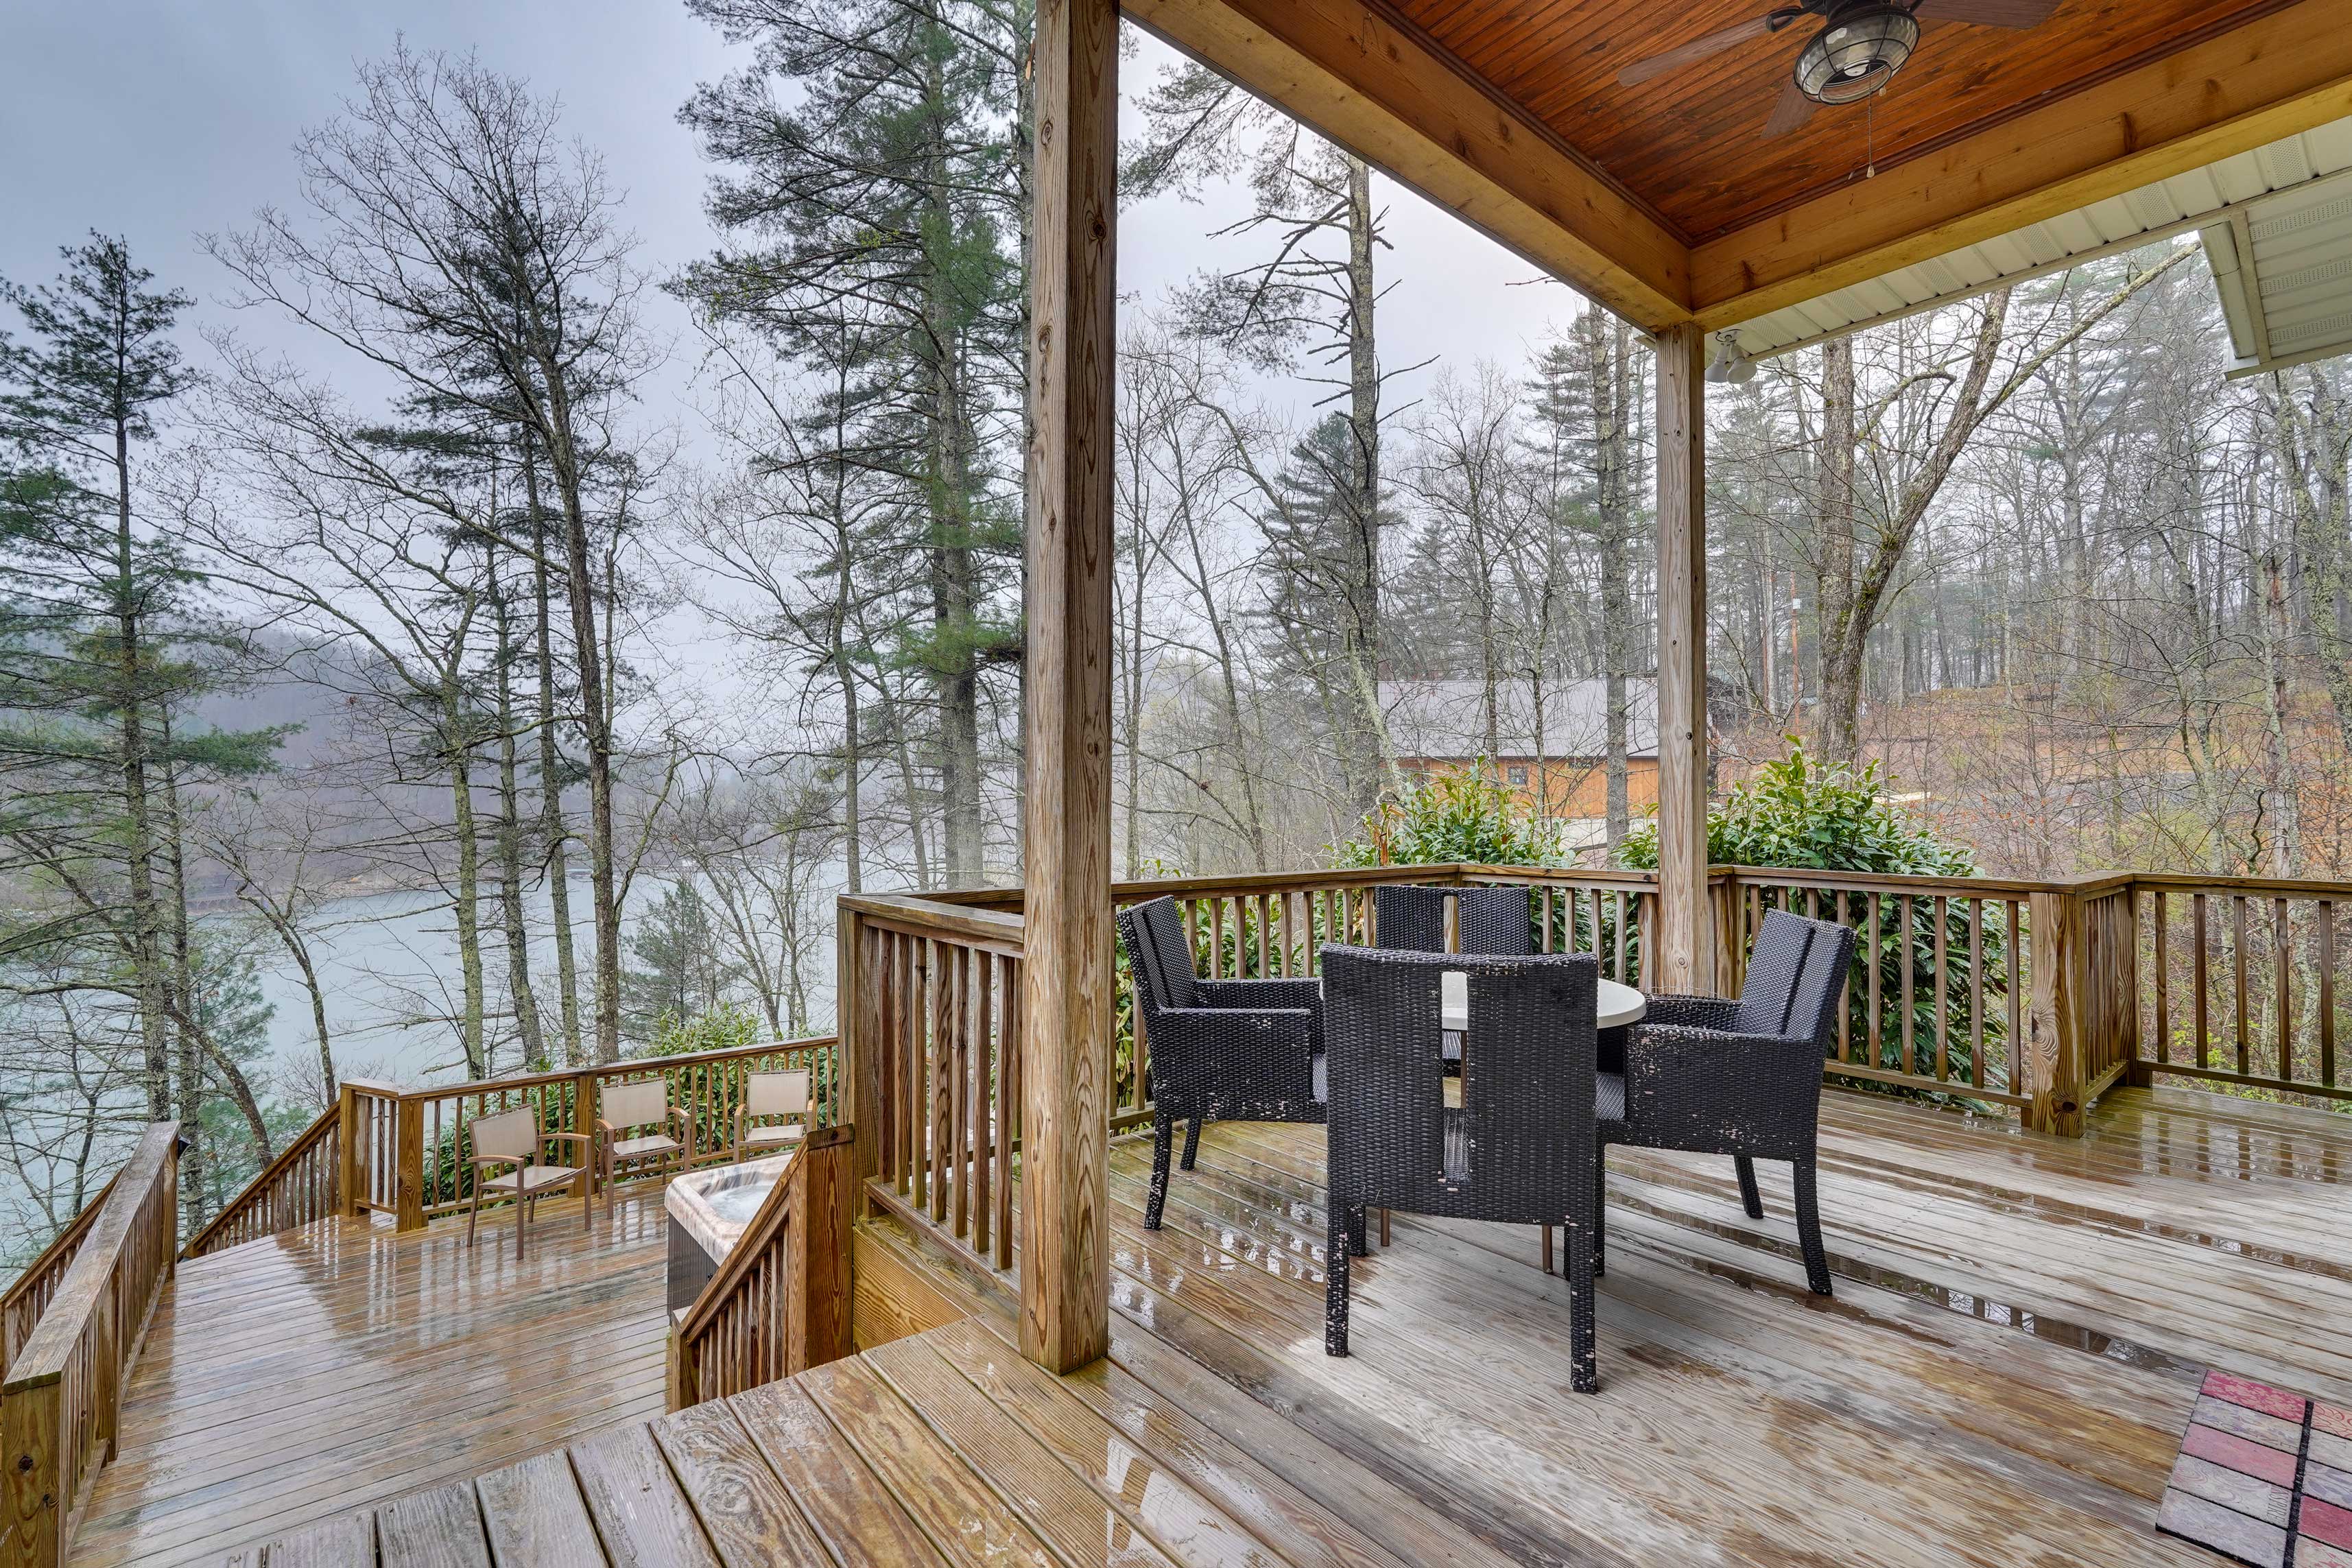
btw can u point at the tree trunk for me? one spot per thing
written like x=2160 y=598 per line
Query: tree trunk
x=1842 y=632
x=457 y=744
x=1365 y=753
x=955 y=598
x=552 y=830
x=146 y=937
x=1608 y=376
x=509 y=841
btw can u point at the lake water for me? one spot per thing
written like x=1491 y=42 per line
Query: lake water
x=388 y=965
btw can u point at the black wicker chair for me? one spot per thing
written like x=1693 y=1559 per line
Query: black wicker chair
x=1498 y=922
x=1522 y=1147
x=1715 y=1076
x=1222 y=1050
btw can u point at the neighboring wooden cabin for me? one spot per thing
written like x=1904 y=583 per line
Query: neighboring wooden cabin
x=1548 y=743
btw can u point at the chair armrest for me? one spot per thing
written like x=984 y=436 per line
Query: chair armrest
x=1294 y=992
x=685 y=1126
x=1204 y=1059
x=480 y=1161
x=1233 y=995
x=586 y=1140
x=1716 y=1091
x=1676 y=1010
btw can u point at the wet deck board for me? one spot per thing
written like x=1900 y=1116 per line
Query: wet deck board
x=319 y=1373
x=1741 y=1420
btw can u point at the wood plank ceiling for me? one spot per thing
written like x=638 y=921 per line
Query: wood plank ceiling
x=1689 y=145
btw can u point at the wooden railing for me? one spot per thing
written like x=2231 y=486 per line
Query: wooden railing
x=62 y=1398
x=779 y=1301
x=2028 y=996
x=404 y=1147
x=930 y=995
x=305 y=1183
x=23 y=1303
x=2238 y=982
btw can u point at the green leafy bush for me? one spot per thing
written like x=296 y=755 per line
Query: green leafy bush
x=1469 y=816
x=1806 y=815
x=723 y=1026
x=1801 y=812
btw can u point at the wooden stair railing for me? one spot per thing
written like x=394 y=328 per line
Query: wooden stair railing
x=780 y=1302
x=62 y=1399
x=22 y=1304
x=302 y=1185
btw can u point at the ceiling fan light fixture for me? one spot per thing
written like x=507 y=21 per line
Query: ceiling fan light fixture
x=1857 y=53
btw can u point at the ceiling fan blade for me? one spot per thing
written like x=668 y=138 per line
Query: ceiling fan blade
x=1696 y=50
x=1987 y=13
x=1790 y=113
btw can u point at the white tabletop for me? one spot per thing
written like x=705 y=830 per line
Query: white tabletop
x=1619 y=1004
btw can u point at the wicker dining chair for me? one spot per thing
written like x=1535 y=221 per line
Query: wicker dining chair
x=1221 y=1050
x=780 y=1098
x=1714 y=1075
x=1498 y=921
x=624 y=1112
x=512 y=1139
x=1520 y=1148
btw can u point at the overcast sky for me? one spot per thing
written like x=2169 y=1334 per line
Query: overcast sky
x=163 y=120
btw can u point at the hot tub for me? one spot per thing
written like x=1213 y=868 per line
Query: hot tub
x=708 y=1212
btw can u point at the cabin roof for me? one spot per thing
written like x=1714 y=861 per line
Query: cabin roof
x=1447 y=719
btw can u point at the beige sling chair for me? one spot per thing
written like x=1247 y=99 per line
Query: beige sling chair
x=513 y=1138
x=771 y=1096
x=630 y=1108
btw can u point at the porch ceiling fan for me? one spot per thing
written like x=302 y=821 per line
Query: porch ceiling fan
x=1860 y=47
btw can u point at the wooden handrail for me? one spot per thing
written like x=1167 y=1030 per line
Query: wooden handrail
x=22 y=1304
x=303 y=1183
x=624 y=1066
x=62 y=1398
x=779 y=1301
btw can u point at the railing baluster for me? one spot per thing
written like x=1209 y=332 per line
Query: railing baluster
x=1877 y=1003
x=1910 y=1034
x=2238 y=975
x=1976 y=992
x=1941 y=910
x=2282 y=975
x=2326 y=916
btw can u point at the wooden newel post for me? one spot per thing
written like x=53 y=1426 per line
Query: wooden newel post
x=1686 y=917
x=1068 y=973
x=350 y=1159
x=32 y=1470
x=859 y=1059
x=408 y=1164
x=2055 y=1022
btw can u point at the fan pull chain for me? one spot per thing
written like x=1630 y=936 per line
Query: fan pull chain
x=1870 y=137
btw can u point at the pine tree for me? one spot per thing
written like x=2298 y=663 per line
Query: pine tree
x=1316 y=522
x=104 y=647
x=876 y=163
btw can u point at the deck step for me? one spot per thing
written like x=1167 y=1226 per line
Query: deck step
x=940 y=1448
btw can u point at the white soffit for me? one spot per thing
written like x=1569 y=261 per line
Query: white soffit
x=2280 y=204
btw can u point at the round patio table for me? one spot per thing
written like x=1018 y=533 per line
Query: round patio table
x=1619 y=1004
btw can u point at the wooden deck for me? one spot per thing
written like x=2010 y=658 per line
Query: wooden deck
x=337 y=1365
x=2002 y=1378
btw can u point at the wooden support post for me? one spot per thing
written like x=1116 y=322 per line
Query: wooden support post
x=585 y=1090
x=1685 y=921
x=818 y=1246
x=2054 y=1028
x=32 y=1469
x=349 y=1158
x=860 y=1043
x=408 y=1164
x=1724 y=895
x=1069 y=976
